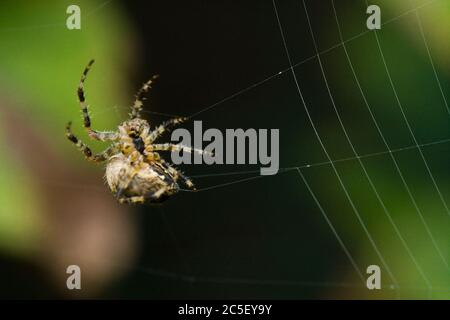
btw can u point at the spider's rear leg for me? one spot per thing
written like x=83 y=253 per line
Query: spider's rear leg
x=103 y=156
x=129 y=200
x=136 y=108
x=188 y=182
x=177 y=173
x=155 y=157
x=174 y=147
x=153 y=197
x=97 y=135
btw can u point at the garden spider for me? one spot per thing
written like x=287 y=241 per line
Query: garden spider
x=134 y=170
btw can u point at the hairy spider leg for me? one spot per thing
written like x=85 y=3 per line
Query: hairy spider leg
x=136 y=108
x=141 y=199
x=97 y=135
x=100 y=157
x=130 y=200
x=177 y=173
x=159 y=130
x=155 y=157
x=173 y=147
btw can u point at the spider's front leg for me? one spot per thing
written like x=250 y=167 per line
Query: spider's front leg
x=103 y=156
x=156 y=133
x=136 y=108
x=97 y=135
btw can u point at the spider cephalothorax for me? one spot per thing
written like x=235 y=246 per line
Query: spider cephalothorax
x=134 y=170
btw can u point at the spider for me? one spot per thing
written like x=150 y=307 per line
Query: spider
x=135 y=172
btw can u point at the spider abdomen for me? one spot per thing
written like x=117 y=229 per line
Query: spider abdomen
x=150 y=182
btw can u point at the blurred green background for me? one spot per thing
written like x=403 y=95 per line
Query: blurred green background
x=241 y=235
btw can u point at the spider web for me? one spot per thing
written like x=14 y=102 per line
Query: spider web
x=392 y=154
x=338 y=211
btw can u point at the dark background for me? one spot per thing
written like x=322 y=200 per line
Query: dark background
x=266 y=237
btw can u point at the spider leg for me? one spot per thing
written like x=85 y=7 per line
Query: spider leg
x=155 y=157
x=103 y=135
x=188 y=182
x=97 y=135
x=177 y=173
x=100 y=157
x=141 y=199
x=173 y=147
x=158 y=131
x=136 y=108
x=136 y=199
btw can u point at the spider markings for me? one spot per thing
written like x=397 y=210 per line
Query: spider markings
x=135 y=172
x=138 y=102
